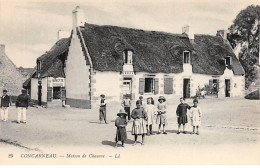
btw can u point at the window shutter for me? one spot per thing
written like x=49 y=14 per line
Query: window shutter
x=156 y=85
x=141 y=85
x=49 y=93
x=168 y=85
x=210 y=84
x=63 y=93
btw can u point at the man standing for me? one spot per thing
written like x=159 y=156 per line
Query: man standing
x=126 y=103
x=22 y=104
x=5 y=102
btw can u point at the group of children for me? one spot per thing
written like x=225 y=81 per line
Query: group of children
x=146 y=115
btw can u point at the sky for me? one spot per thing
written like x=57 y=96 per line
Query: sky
x=28 y=28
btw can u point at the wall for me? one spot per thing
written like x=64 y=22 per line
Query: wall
x=34 y=89
x=107 y=83
x=77 y=76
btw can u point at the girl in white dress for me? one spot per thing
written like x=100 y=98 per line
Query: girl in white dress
x=195 y=115
x=151 y=114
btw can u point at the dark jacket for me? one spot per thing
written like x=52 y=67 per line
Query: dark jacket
x=5 y=102
x=182 y=109
x=22 y=101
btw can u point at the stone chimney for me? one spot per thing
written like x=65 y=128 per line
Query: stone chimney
x=222 y=33
x=2 y=47
x=187 y=30
x=78 y=17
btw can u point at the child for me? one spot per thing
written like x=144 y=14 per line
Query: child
x=182 y=115
x=161 y=114
x=120 y=124
x=126 y=103
x=102 y=109
x=151 y=112
x=141 y=101
x=195 y=115
x=139 y=123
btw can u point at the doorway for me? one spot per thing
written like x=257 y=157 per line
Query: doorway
x=186 y=88
x=227 y=87
x=127 y=87
x=56 y=93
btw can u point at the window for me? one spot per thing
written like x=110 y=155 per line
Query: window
x=148 y=85
x=186 y=57
x=128 y=55
x=148 y=88
x=228 y=61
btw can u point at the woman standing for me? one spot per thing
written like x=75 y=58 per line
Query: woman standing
x=139 y=123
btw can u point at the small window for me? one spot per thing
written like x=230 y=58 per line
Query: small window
x=228 y=61
x=186 y=57
x=128 y=55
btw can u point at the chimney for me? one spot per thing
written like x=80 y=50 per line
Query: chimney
x=187 y=30
x=78 y=17
x=222 y=33
x=2 y=47
x=62 y=34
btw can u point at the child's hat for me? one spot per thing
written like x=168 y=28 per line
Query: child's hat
x=121 y=112
x=103 y=96
x=195 y=100
x=162 y=98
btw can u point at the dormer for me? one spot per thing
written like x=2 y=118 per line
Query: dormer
x=186 y=57
x=128 y=57
x=38 y=68
x=228 y=62
x=128 y=62
x=187 y=68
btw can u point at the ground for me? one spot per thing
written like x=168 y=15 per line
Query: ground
x=229 y=134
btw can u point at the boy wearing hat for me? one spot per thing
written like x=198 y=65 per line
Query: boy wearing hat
x=102 y=109
x=182 y=114
x=126 y=103
x=161 y=114
x=22 y=103
x=5 y=103
x=120 y=124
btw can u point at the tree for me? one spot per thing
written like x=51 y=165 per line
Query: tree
x=245 y=32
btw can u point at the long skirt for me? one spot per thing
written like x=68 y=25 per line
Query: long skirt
x=182 y=119
x=102 y=113
x=161 y=119
x=139 y=127
x=121 y=134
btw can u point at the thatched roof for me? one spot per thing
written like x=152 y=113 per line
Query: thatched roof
x=152 y=51
x=52 y=62
x=210 y=53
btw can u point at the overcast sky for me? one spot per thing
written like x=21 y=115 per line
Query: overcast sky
x=28 y=28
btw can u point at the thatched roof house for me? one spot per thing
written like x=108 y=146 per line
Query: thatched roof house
x=117 y=61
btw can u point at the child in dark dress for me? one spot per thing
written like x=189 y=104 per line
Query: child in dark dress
x=182 y=115
x=120 y=124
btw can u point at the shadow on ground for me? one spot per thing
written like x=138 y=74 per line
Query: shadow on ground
x=112 y=143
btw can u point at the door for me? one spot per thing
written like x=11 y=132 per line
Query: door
x=186 y=88
x=56 y=93
x=39 y=95
x=227 y=87
x=127 y=87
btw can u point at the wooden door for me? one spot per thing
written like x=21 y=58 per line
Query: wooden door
x=186 y=88
x=227 y=87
